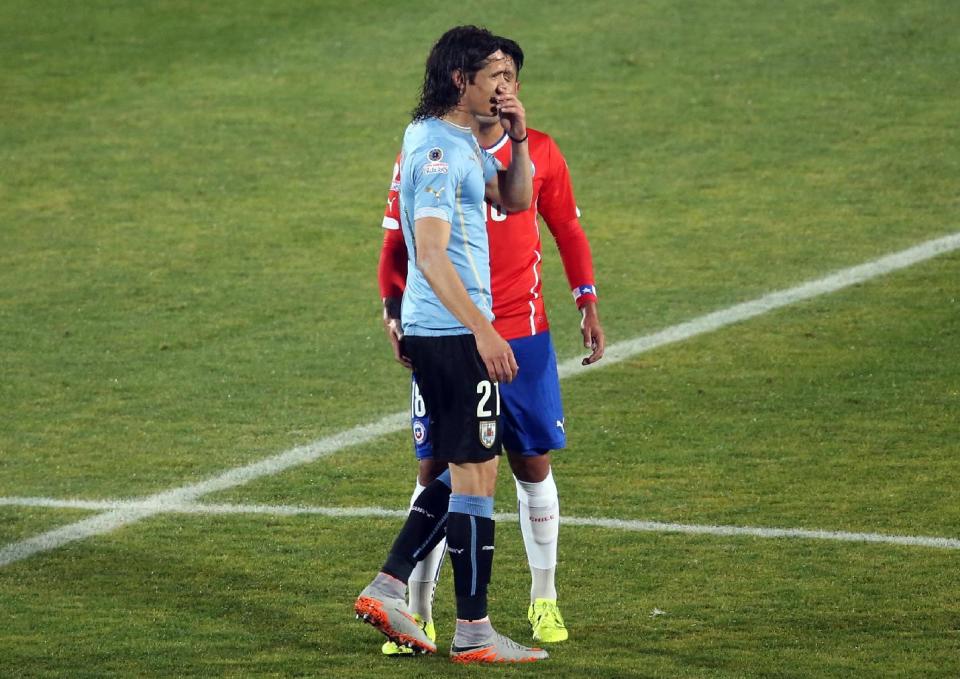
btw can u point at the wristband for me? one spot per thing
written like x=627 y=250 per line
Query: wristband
x=519 y=141
x=584 y=294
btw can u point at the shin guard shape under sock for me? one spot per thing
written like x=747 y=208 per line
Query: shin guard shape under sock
x=470 y=542
x=422 y=531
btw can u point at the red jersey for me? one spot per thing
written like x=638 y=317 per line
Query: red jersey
x=515 y=246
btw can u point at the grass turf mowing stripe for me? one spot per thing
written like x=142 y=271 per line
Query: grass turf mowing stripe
x=160 y=502
x=596 y=522
x=775 y=300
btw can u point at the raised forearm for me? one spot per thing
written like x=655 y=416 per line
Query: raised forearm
x=516 y=183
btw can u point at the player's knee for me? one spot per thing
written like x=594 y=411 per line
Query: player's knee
x=430 y=469
x=531 y=466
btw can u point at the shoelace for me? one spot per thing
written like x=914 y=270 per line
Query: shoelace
x=546 y=614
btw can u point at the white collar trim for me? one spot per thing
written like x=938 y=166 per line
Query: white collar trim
x=499 y=144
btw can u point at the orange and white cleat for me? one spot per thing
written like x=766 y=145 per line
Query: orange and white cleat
x=496 y=649
x=394 y=620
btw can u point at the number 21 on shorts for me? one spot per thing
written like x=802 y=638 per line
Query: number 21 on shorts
x=486 y=389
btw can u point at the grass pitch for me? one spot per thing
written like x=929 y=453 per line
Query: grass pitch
x=189 y=224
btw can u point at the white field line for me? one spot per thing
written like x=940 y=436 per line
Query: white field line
x=126 y=514
x=775 y=300
x=380 y=512
x=158 y=503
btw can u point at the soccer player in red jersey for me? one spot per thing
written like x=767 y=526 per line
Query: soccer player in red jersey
x=533 y=422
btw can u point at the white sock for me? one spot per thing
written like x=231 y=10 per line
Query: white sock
x=423 y=579
x=539 y=508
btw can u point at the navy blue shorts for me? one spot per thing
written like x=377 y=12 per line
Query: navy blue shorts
x=531 y=421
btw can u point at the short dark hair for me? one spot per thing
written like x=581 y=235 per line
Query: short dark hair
x=464 y=49
x=512 y=50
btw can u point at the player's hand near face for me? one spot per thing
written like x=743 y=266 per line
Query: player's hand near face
x=512 y=115
x=513 y=188
x=496 y=354
x=592 y=332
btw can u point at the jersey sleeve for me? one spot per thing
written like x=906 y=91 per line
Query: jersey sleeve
x=391 y=214
x=490 y=166
x=559 y=210
x=435 y=180
x=392 y=269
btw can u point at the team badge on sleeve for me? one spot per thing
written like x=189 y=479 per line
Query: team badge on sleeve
x=488 y=433
x=435 y=164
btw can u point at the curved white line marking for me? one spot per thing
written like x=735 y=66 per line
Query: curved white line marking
x=160 y=502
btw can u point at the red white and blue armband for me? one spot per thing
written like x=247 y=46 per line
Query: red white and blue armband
x=582 y=294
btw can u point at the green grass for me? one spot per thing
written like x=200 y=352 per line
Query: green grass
x=189 y=207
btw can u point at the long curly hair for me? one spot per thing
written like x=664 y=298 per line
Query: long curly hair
x=464 y=49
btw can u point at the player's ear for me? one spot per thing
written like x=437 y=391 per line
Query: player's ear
x=458 y=80
x=518 y=87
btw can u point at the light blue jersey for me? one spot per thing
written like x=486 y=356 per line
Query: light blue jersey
x=443 y=174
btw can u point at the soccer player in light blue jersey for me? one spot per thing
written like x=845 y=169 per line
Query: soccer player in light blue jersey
x=532 y=411
x=458 y=357
x=447 y=175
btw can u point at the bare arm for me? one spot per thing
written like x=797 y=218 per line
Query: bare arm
x=512 y=189
x=432 y=237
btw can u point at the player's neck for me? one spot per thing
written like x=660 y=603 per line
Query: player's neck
x=460 y=117
x=489 y=134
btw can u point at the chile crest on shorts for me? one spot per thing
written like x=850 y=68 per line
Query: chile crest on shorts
x=488 y=433
x=419 y=431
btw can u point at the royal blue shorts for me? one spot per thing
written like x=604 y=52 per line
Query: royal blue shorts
x=531 y=415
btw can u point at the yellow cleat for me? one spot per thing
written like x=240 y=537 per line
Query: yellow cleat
x=547 y=623
x=390 y=648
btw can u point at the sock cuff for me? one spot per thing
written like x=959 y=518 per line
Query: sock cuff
x=473 y=505
x=539 y=493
